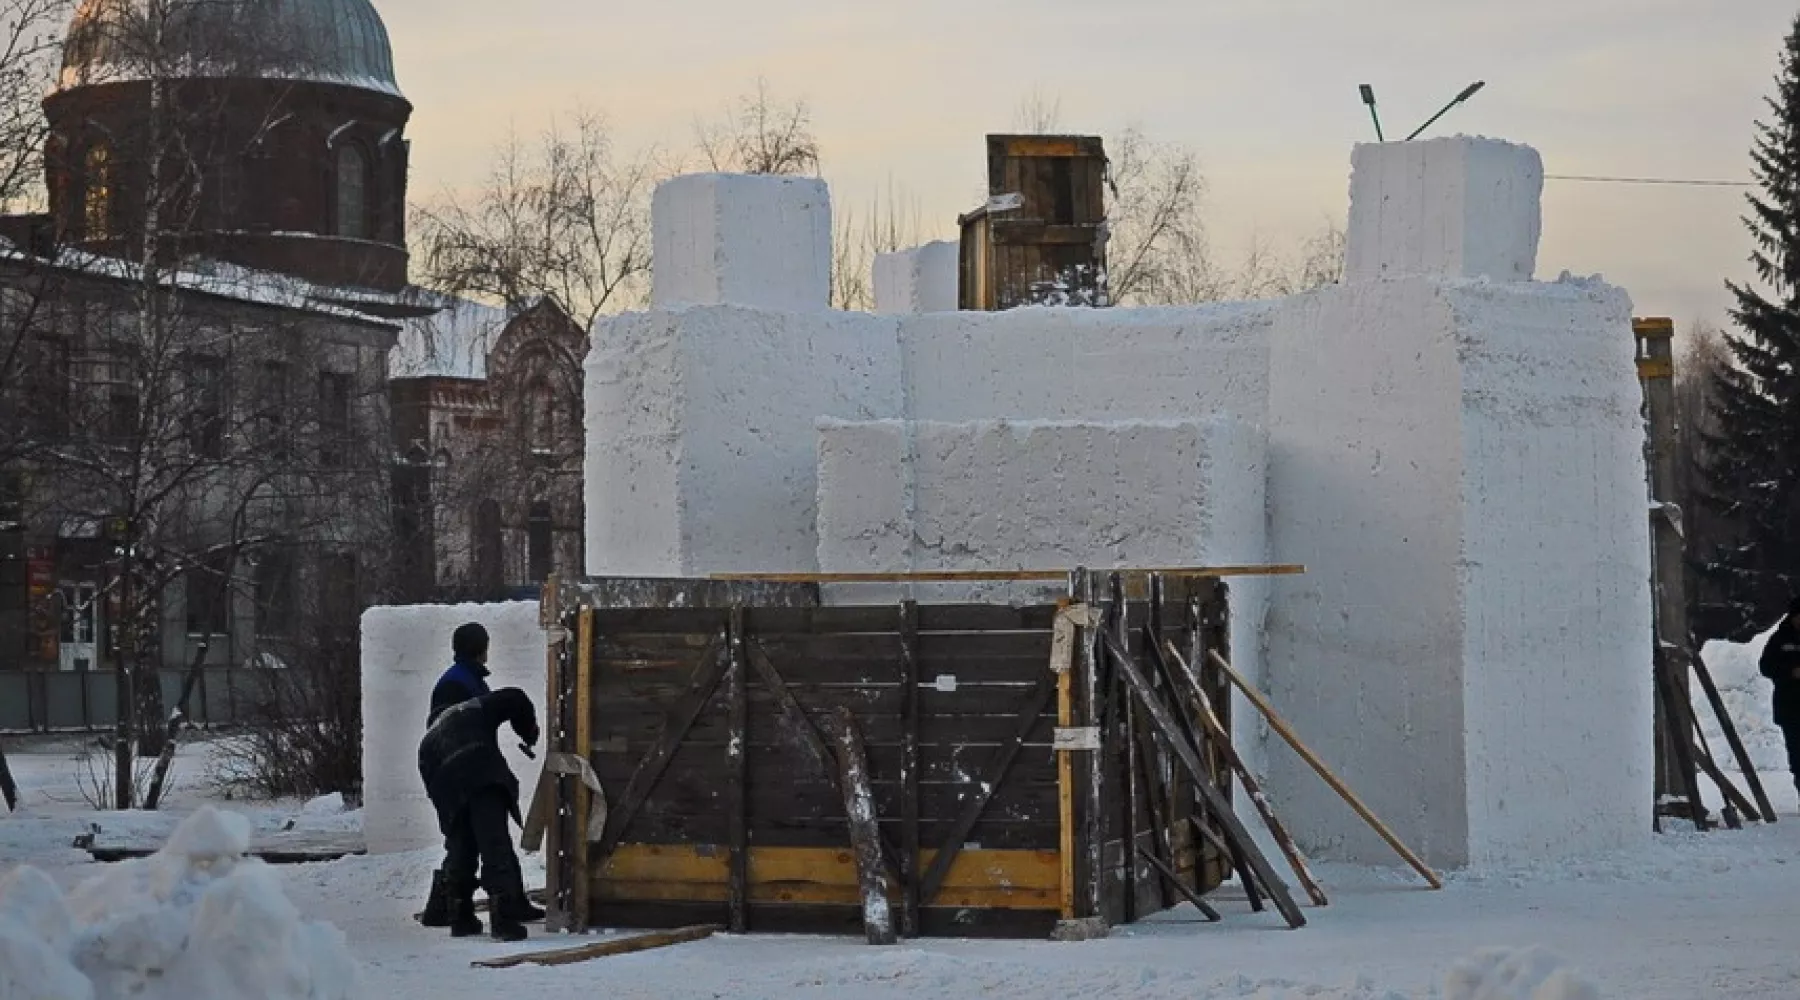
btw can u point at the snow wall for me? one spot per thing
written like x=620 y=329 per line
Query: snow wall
x=1452 y=449
x=756 y=240
x=404 y=650
x=921 y=280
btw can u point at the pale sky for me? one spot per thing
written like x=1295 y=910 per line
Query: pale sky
x=1264 y=91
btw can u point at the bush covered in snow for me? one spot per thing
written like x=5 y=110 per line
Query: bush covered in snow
x=196 y=921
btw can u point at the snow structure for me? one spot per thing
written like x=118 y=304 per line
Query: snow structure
x=195 y=921
x=921 y=280
x=1748 y=697
x=1453 y=450
x=760 y=240
x=404 y=650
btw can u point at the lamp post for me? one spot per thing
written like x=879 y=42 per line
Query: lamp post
x=1467 y=93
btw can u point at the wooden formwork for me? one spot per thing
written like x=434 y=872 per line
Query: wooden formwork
x=710 y=738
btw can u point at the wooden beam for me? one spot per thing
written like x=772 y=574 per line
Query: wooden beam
x=1093 y=716
x=1173 y=879
x=909 y=768
x=8 y=789
x=580 y=848
x=1062 y=667
x=1222 y=740
x=999 y=576
x=599 y=949
x=559 y=878
x=705 y=681
x=1754 y=780
x=865 y=831
x=1277 y=723
x=737 y=773
x=1128 y=755
x=991 y=781
x=1190 y=758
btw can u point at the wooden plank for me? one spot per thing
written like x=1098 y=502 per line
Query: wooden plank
x=737 y=776
x=599 y=949
x=558 y=876
x=707 y=675
x=1150 y=757
x=1277 y=723
x=865 y=833
x=1222 y=741
x=1172 y=879
x=8 y=789
x=1711 y=689
x=1130 y=801
x=974 y=868
x=280 y=848
x=1091 y=665
x=1189 y=757
x=909 y=769
x=813 y=919
x=1001 y=576
x=992 y=779
x=1062 y=665
x=584 y=742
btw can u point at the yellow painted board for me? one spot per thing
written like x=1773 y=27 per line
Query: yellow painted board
x=827 y=866
x=991 y=898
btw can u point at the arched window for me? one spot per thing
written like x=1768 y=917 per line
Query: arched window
x=352 y=192
x=540 y=536
x=540 y=417
x=96 y=206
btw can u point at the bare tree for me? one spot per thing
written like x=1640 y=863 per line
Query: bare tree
x=567 y=218
x=760 y=134
x=891 y=224
x=1158 y=253
x=1038 y=114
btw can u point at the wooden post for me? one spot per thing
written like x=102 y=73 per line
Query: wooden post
x=909 y=768
x=1062 y=657
x=558 y=878
x=737 y=774
x=1745 y=764
x=580 y=850
x=865 y=831
x=1277 y=723
x=1128 y=756
x=1093 y=823
x=8 y=789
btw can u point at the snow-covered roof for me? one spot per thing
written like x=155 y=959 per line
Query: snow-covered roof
x=314 y=41
x=451 y=343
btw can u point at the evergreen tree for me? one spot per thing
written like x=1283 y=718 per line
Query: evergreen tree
x=1752 y=474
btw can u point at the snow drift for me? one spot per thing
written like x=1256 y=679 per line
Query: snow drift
x=196 y=921
x=1747 y=695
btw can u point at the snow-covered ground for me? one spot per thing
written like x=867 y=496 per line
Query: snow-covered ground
x=1687 y=916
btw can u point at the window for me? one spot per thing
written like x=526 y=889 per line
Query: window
x=540 y=418
x=122 y=414
x=540 y=536
x=272 y=401
x=97 y=191
x=275 y=593
x=334 y=420
x=50 y=396
x=206 y=407
x=209 y=596
x=352 y=192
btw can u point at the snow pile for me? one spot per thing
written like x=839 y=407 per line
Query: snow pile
x=1501 y=974
x=196 y=921
x=1747 y=695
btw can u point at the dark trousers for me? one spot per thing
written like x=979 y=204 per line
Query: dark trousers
x=482 y=835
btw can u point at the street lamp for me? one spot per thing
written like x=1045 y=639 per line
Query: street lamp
x=1467 y=93
x=1368 y=97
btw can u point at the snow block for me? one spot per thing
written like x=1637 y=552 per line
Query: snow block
x=736 y=239
x=1458 y=207
x=700 y=455
x=898 y=496
x=921 y=280
x=404 y=651
x=1460 y=467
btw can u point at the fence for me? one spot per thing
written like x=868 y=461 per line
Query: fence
x=39 y=701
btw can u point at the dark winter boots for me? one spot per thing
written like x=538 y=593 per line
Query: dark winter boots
x=461 y=897
x=509 y=909
x=437 y=905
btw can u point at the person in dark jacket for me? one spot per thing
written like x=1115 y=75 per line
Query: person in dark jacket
x=474 y=793
x=465 y=678
x=467 y=675
x=1781 y=663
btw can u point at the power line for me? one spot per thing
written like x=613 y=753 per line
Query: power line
x=1591 y=179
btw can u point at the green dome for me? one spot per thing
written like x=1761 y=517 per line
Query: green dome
x=312 y=41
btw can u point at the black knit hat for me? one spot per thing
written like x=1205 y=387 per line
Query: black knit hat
x=470 y=642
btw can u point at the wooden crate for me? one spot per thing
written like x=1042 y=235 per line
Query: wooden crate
x=1040 y=239
x=710 y=729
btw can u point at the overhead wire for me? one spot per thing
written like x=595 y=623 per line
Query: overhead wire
x=1673 y=181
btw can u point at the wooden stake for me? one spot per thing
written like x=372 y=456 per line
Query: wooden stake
x=1222 y=741
x=737 y=775
x=599 y=949
x=909 y=769
x=8 y=789
x=1062 y=663
x=997 y=576
x=1277 y=723
x=1128 y=754
x=1729 y=728
x=579 y=846
x=1093 y=826
x=1174 y=879
x=865 y=831
x=1189 y=756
